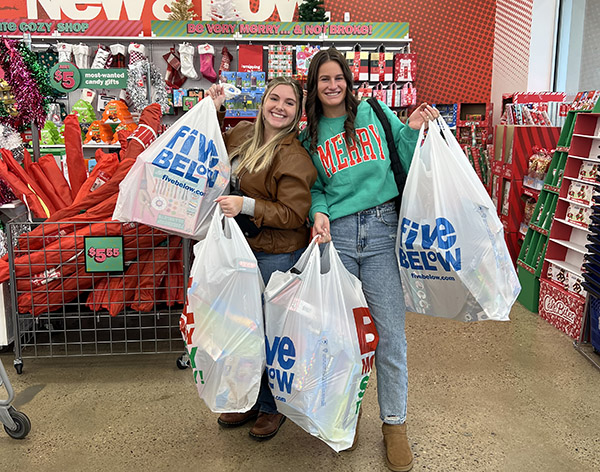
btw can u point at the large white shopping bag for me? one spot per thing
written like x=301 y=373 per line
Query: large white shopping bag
x=320 y=345
x=453 y=259
x=222 y=324
x=174 y=182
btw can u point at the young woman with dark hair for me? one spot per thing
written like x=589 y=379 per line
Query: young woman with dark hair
x=352 y=204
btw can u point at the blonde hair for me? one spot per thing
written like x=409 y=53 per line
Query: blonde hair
x=256 y=155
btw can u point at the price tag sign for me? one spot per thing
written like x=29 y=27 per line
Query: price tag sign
x=103 y=253
x=65 y=77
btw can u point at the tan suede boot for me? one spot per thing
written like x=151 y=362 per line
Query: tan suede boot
x=398 y=456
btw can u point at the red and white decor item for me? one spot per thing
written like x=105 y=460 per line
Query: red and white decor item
x=561 y=309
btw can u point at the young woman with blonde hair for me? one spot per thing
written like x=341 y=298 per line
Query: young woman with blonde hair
x=271 y=179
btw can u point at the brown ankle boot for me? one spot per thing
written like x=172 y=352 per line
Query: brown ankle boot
x=266 y=426
x=398 y=456
x=232 y=420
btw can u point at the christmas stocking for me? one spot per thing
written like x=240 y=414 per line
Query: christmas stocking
x=101 y=57
x=117 y=59
x=226 y=59
x=137 y=52
x=174 y=78
x=81 y=52
x=186 y=51
x=64 y=52
x=207 y=62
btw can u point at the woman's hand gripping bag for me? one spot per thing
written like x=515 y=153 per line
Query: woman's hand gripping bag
x=222 y=324
x=174 y=182
x=453 y=259
x=320 y=344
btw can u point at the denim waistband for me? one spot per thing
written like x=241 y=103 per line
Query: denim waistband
x=386 y=207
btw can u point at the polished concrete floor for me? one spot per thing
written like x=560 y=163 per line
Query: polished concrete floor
x=492 y=396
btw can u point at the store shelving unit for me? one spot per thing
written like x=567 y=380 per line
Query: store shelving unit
x=533 y=250
x=585 y=152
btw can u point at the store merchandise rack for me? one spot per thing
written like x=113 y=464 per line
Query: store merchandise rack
x=66 y=304
x=533 y=250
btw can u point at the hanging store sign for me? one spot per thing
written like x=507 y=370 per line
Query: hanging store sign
x=66 y=77
x=102 y=28
x=280 y=30
x=104 y=253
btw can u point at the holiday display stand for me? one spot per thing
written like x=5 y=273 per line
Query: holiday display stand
x=562 y=296
x=533 y=250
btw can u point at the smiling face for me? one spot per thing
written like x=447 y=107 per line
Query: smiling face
x=279 y=108
x=331 y=89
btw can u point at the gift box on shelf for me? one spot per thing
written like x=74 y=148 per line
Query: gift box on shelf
x=448 y=112
x=381 y=65
x=538 y=97
x=405 y=67
x=250 y=57
x=359 y=63
x=560 y=308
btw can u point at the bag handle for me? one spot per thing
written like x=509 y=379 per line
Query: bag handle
x=397 y=169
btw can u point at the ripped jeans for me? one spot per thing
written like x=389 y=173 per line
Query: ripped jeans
x=366 y=244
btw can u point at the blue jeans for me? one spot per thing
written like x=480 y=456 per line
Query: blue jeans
x=366 y=244
x=269 y=263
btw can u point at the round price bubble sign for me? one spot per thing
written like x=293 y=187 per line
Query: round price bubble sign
x=65 y=77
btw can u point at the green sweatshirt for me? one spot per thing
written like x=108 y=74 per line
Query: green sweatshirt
x=357 y=176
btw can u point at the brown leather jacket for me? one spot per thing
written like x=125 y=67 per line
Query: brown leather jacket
x=282 y=193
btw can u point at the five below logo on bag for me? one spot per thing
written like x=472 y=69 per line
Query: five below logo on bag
x=283 y=351
x=444 y=258
x=177 y=161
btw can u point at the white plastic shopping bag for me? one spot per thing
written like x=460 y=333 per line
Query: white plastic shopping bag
x=320 y=344
x=222 y=324
x=453 y=259
x=174 y=182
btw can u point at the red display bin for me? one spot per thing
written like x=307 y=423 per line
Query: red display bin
x=560 y=308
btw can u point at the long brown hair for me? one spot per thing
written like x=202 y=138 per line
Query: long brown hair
x=314 y=107
x=256 y=155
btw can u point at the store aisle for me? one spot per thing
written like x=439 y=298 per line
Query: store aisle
x=483 y=397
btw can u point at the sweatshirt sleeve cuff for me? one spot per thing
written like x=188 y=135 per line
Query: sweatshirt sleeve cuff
x=248 y=205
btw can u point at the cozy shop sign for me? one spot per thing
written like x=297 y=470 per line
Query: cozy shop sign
x=71 y=28
x=292 y=30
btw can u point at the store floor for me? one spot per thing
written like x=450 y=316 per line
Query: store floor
x=482 y=397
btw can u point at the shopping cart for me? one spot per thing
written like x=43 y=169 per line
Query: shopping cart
x=16 y=424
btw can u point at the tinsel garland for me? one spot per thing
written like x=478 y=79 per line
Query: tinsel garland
x=39 y=72
x=10 y=139
x=138 y=94
x=29 y=100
